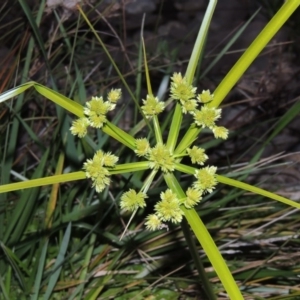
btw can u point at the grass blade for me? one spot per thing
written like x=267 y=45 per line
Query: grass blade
x=3 y=289
x=213 y=254
x=16 y=91
x=58 y=263
x=40 y=270
x=15 y=264
x=200 y=41
x=36 y=31
x=256 y=190
x=206 y=242
x=42 y=181
x=22 y=212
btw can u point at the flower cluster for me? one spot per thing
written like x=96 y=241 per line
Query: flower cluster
x=152 y=106
x=95 y=111
x=197 y=155
x=205 y=179
x=168 y=209
x=193 y=197
x=182 y=91
x=132 y=200
x=142 y=147
x=159 y=157
x=205 y=116
x=97 y=169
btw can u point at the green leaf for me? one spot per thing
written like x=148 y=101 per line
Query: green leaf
x=119 y=135
x=34 y=25
x=60 y=99
x=15 y=264
x=206 y=242
x=40 y=270
x=256 y=190
x=56 y=269
x=42 y=181
x=200 y=41
x=174 y=128
x=190 y=136
x=213 y=254
x=16 y=91
x=3 y=289
x=23 y=210
x=130 y=167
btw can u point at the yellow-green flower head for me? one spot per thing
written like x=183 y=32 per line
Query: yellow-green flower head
x=96 y=109
x=205 y=179
x=96 y=106
x=160 y=157
x=177 y=78
x=220 y=132
x=152 y=106
x=101 y=182
x=193 y=197
x=168 y=209
x=153 y=222
x=142 y=147
x=189 y=106
x=132 y=201
x=98 y=174
x=79 y=127
x=105 y=159
x=197 y=155
x=180 y=89
x=168 y=196
x=97 y=121
x=205 y=96
x=109 y=160
x=96 y=169
x=98 y=157
x=207 y=116
x=92 y=168
x=114 y=95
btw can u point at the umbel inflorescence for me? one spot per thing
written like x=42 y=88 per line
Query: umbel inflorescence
x=159 y=156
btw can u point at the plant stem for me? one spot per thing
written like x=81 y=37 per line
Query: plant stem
x=197 y=260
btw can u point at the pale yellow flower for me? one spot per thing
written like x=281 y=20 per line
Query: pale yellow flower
x=160 y=157
x=152 y=106
x=79 y=127
x=205 y=179
x=132 y=200
x=197 y=155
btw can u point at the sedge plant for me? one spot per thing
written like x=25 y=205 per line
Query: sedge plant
x=162 y=157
